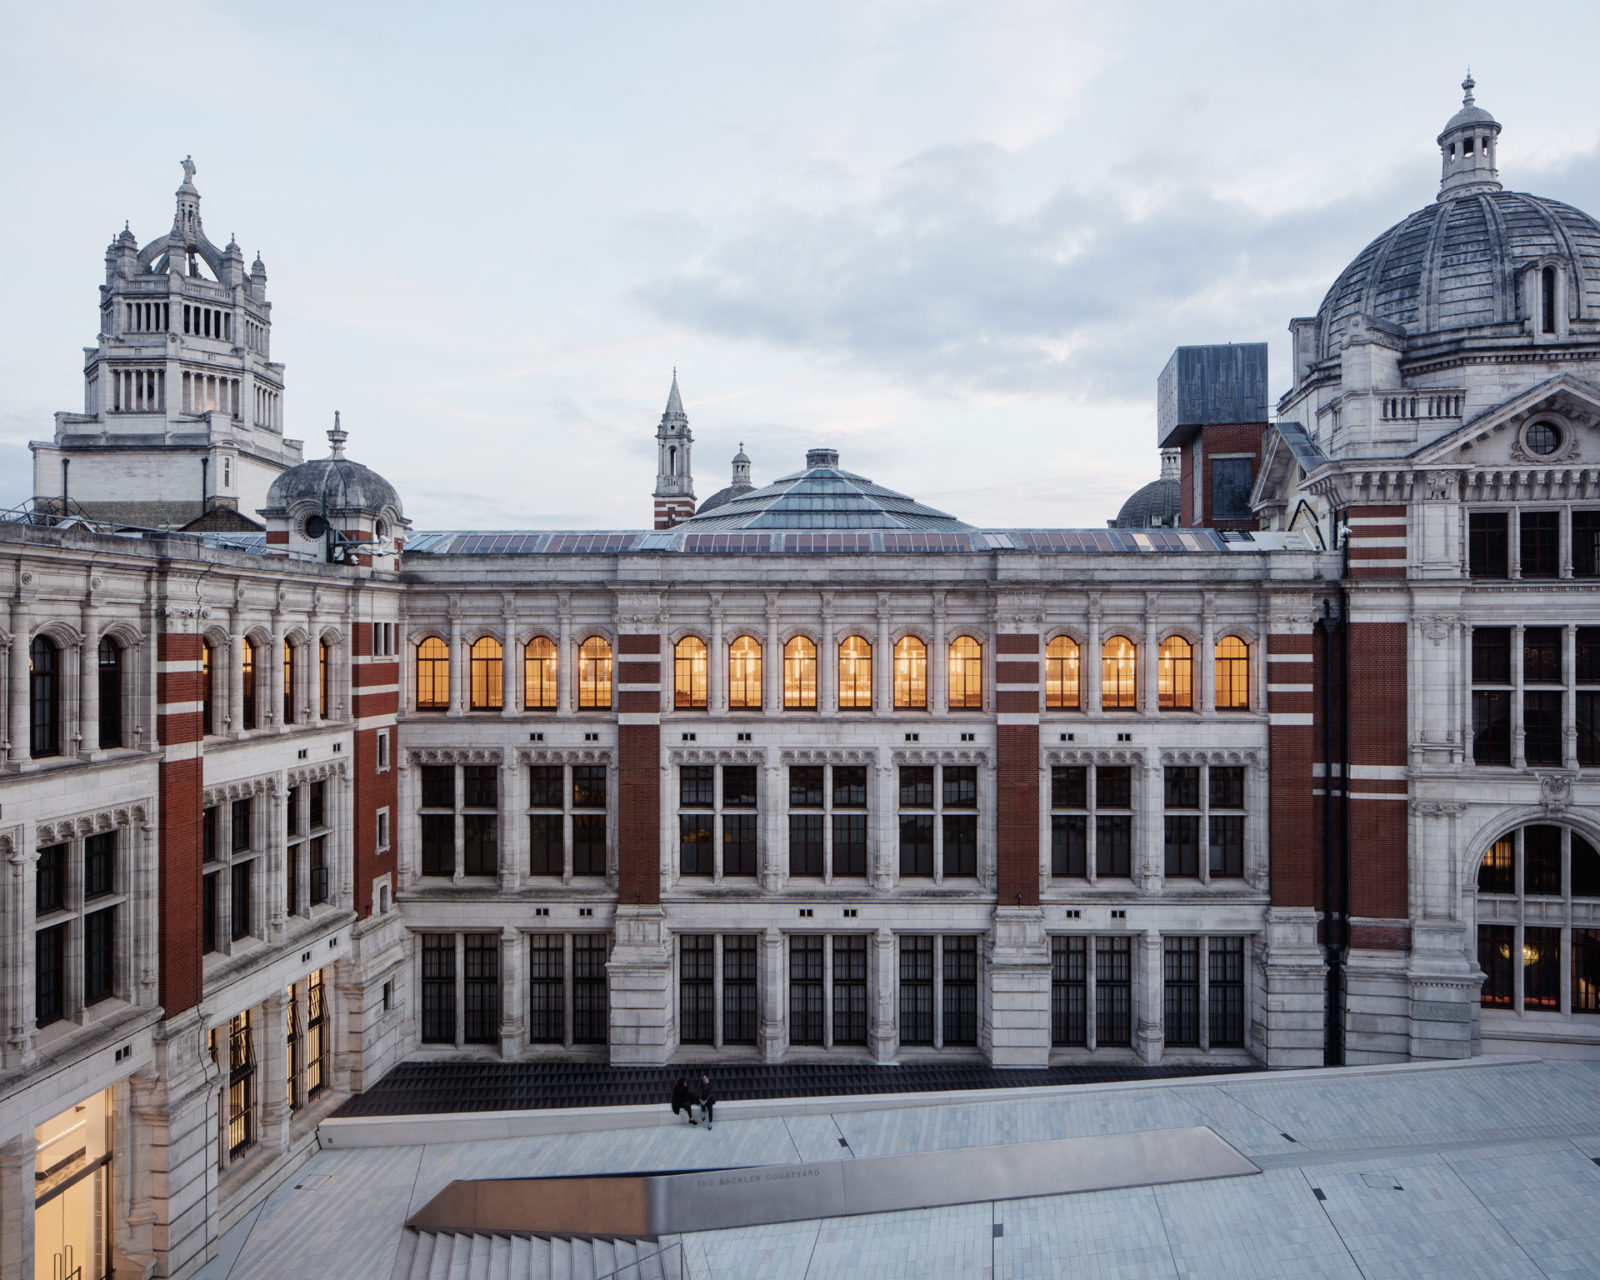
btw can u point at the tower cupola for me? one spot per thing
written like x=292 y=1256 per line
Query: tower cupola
x=1467 y=148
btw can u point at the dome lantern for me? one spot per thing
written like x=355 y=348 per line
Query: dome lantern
x=1467 y=149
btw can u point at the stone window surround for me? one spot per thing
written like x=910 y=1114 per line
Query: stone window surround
x=78 y=686
x=269 y=637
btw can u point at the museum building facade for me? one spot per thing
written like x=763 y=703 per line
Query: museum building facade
x=1293 y=764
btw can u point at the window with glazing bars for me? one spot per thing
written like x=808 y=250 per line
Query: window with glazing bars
x=805 y=989
x=916 y=989
x=1225 y=994
x=1487 y=549
x=1069 y=991
x=1491 y=707
x=589 y=988
x=960 y=990
x=1181 y=990
x=546 y=988
x=99 y=955
x=697 y=1006
x=438 y=988
x=1113 y=991
x=739 y=1008
x=316 y=1035
x=849 y=990
x=481 y=988
x=50 y=968
x=241 y=898
x=241 y=1086
x=1539 y=551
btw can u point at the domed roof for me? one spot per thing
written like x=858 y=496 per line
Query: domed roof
x=1155 y=504
x=820 y=497
x=336 y=484
x=722 y=497
x=1454 y=265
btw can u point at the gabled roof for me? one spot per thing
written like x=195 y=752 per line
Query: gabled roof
x=1288 y=446
x=1578 y=393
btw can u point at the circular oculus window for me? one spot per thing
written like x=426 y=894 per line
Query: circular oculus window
x=1542 y=438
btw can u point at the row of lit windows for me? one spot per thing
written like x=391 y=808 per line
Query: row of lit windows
x=47 y=729
x=1119 y=683
x=252 y=668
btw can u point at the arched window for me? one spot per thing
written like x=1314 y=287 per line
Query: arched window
x=208 y=688
x=247 y=665
x=1061 y=674
x=594 y=674
x=539 y=675
x=44 y=698
x=1547 y=300
x=1119 y=685
x=966 y=674
x=910 y=675
x=1175 y=675
x=289 y=665
x=800 y=675
x=110 y=693
x=433 y=675
x=744 y=674
x=689 y=674
x=855 y=674
x=1530 y=881
x=488 y=659
x=324 y=679
x=1232 y=674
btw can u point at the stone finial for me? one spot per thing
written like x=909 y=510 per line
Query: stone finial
x=337 y=437
x=1467 y=86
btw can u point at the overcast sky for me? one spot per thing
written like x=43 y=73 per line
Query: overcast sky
x=955 y=241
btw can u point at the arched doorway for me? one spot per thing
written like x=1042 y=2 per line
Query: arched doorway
x=1539 y=923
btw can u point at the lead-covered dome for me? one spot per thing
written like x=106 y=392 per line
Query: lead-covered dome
x=335 y=485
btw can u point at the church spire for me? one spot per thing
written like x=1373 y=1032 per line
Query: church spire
x=1467 y=148
x=674 y=496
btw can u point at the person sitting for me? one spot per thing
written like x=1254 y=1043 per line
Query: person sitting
x=683 y=1100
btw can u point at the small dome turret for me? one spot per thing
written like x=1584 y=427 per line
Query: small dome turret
x=1467 y=149
x=329 y=503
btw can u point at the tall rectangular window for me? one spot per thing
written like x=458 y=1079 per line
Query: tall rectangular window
x=1225 y=996
x=916 y=844
x=1113 y=991
x=849 y=990
x=916 y=989
x=805 y=844
x=546 y=988
x=960 y=844
x=694 y=844
x=99 y=955
x=1181 y=990
x=738 y=844
x=805 y=989
x=1069 y=991
x=1496 y=944
x=1586 y=971
x=1486 y=545
x=960 y=990
x=481 y=970
x=438 y=844
x=50 y=973
x=697 y=1007
x=1541 y=968
x=438 y=988
x=849 y=844
x=588 y=844
x=1491 y=707
x=545 y=852
x=1540 y=549
x=241 y=898
x=480 y=844
x=589 y=1006
x=241 y=1086
x=739 y=1006
x=1586 y=544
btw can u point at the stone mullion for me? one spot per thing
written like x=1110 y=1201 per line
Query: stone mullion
x=774 y=812
x=88 y=685
x=772 y=988
x=883 y=690
x=235 y=708
x=1091 y=668
x=566 y=659
x=274 y=857
x=510 y=663
x=772 y=663
x=17 y=686
x=513 y=822
x=1150 y=1038
x=460 y=670
x=938 y=672
x=1206 y=667
x=717 y=666
x=883 y=824
x=883 y=1034
x=513 y=1003
x=1149 y=664
x=828 y=668
x=273 y=1070
x=276 y=694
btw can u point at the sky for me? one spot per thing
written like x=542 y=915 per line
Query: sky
x=956 y=242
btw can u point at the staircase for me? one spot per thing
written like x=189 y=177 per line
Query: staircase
x=462 y=1255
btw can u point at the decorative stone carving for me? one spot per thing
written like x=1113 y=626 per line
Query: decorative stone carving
x=453 y=755
x=564 y=755
x=1555 y=791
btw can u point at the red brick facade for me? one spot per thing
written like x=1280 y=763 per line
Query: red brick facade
x=181 y=777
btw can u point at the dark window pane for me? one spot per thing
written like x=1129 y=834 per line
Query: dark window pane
x=544 y=844
x=1588 y=655
x=960 y=844
x=99 y=955
x=588 y=786
x=1181 y=990
x=849 y=844
x=1113 y=846
x=1486 y=544
x=208 y=835
x=316 y=803
x=1113 y=994
x=1227 y=993
x=1498 y=872
x=1069 y=991
x=438 y=988
x=544 y=786
x=694 y=845
x=1069 y=844
x=916 y=990
x=1541 y=968
x=738 y=786
x=1586 y=544
x=1586 y=710
x=438 y=786
x=1230 y=488
x=1491 y=655
x=1113 y=787
x=805 y=786
x=1069 y=787
x=960 y=991
x=1183 y=845
x=697 y=786
x=1586 y=971
x=738 y=844
x=546 y=996
x=1585 y=868
x=208 y=913
x=1227 y=786
x=697 y=1008
x=805 y=844
x=438 y=844
x=1227 y=846
x=50 y=879
x=1541 y=724
x=805 y=990
x=916 y=844
x=480 y=786
x=1541 y=544
x=1181 y=784
x=480 y=844
x=739 y=1009
x=1491 y=726
x=241 y=825
x=960 y=786
x=1541 y=860
x=850 y=786
x=241 y=899
x=481 y=988
x=849 y=990
x=589 y=1004
x=50 y=974
x=1541 y=655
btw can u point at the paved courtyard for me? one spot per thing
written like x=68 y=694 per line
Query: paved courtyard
x=1483 y=1169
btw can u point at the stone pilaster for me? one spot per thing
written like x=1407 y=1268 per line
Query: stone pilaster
x=1019 y=989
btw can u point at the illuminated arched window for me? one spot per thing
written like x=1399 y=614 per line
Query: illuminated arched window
x=800 y=675
x=110 y=675
x=1175 y=675
x=324 y=679
x=1061 y=674
x=744 y=674
x=433 y=675
x=208 y=689
x=1532 y=880
x=539 y=675
x=966 y=674
x=290 y=669
x=488 y=660
x=247 y=664
x=594 y=674
x=44 y=698
x=855 y=675
x=1119 y=686
x=910 y=675
x=1233 y=674
x=689 y=674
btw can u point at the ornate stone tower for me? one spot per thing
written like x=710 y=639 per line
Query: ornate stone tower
x=674 y=497
x=183 y=405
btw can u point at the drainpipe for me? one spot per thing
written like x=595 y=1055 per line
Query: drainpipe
x=65 y=463
x=205 y=482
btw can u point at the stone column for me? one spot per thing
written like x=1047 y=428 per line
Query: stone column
x=883 y=1035
x=88 y=687
x=1019 y=989
x=566 y=658
x=16 y=1207
x=342 y=856
x=17 y=955
x=513 y=1025
x=883 y=821
x=274 y=858
x=460 y=666
x=717 y=664
x=772 y=662
x=1150 y=1038
x=773 y=989
x=234 y=711
x=1206 y=667
x=774 y=811
x=883 y=690
x=513 y=792
x=1150 y=799
x=17 y=686
x=272 y=1053
x=277 y=695
x=1091 y=667
x=1149 y=683
x=828 y=664
x=510 y=661
x=939 y=662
